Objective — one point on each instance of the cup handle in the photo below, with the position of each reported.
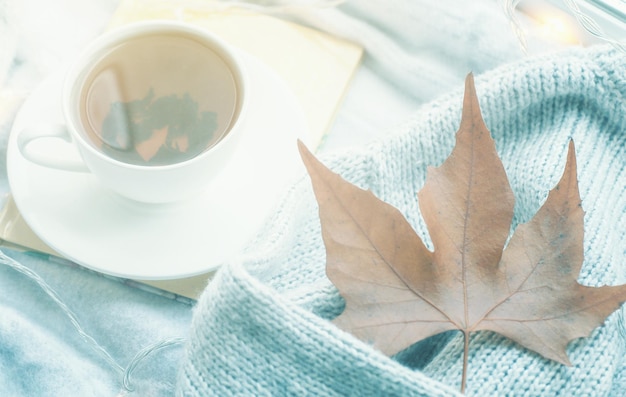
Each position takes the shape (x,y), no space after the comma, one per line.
(59,131)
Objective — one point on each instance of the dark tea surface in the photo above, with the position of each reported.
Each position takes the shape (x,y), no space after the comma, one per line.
(158,100)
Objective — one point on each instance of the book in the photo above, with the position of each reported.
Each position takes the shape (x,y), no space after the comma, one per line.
(315,65)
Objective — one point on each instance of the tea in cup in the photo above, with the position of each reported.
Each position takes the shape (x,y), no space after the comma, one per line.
(154,108)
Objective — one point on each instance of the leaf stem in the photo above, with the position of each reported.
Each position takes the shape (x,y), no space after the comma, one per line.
(466,338)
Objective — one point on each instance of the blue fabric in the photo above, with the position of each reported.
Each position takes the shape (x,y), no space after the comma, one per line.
(262,326)
(41,354)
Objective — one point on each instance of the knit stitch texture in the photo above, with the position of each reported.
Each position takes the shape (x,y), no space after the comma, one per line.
(262,327)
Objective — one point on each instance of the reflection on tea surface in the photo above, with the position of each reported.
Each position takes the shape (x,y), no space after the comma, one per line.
(158,99)
(157,131)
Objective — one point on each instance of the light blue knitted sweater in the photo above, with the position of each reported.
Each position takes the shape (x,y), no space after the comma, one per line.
(262,327)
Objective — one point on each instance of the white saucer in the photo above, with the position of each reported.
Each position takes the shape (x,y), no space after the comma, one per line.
(101,230)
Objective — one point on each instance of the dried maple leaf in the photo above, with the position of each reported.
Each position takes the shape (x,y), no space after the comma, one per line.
(397,292)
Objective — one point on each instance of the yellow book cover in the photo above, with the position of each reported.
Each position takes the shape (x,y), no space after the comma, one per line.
(316,66)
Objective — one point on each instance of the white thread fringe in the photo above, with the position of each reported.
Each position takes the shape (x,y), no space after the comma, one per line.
(509,6)
(585,21)
(125,373)
(590,25)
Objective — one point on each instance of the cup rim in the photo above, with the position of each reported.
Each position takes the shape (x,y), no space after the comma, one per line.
(75,75)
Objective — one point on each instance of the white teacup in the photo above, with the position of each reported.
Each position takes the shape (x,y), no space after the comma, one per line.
(154,108)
